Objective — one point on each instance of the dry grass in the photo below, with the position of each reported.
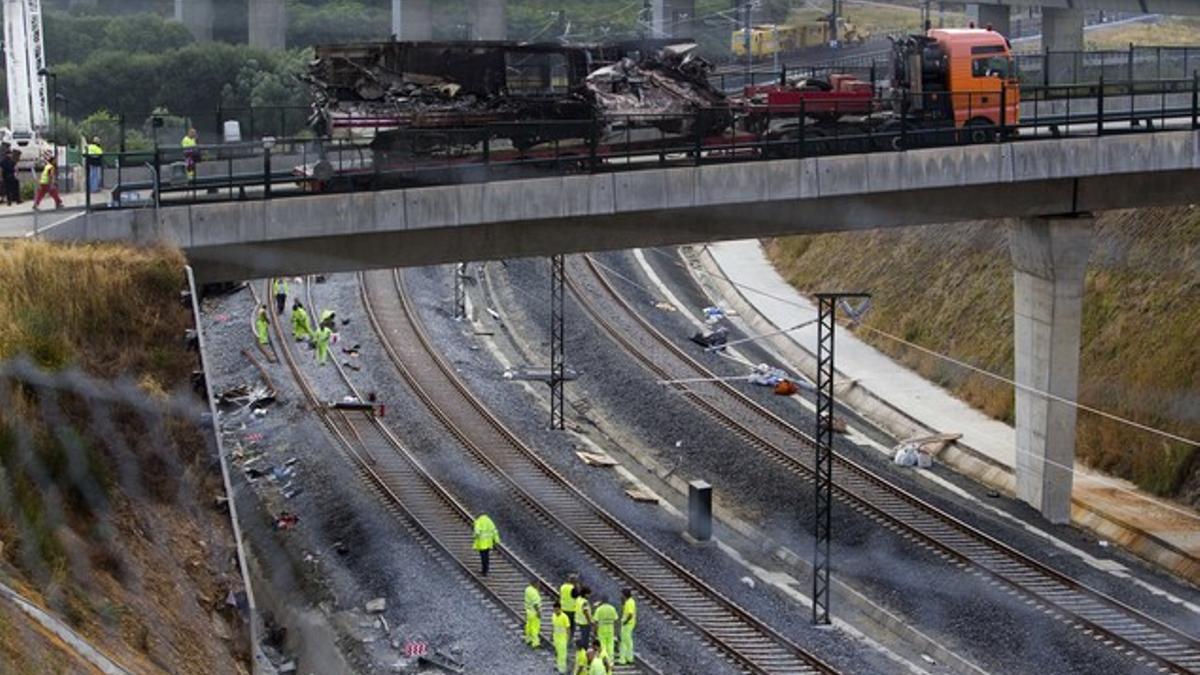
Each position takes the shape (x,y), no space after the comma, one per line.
(104,507)
(950,289)
(1173,32)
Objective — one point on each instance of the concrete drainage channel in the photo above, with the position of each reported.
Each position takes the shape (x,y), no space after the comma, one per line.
(254,621)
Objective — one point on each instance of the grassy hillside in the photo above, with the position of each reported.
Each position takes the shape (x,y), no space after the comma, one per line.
(949,288)
(106,478)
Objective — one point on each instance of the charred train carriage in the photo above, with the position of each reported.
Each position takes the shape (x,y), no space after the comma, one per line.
(407,108)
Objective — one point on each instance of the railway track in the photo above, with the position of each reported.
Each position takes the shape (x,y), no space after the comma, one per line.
(1107,620)
(679,596)
(435,519)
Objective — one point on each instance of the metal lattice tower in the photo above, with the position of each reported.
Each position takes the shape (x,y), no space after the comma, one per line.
(557,356)
(823,475)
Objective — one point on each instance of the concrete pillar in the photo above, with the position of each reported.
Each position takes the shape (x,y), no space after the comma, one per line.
(1062,31)
(1049,258)
(699,511)
(996,16)
(659,21)
(488,20)
(681,17)
(412,20)
(268,24)
(197,17)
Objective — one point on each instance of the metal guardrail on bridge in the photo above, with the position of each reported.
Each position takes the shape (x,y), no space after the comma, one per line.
(509,150)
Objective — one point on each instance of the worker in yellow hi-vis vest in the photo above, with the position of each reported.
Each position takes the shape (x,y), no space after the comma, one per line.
(562,631)
(605,616)
(568,600)
(260,326)
(533,616)
(628,623)
(486,538)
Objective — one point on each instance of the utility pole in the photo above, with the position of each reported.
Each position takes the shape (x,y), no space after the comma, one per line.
(747,7)
(827,304)
(835,10)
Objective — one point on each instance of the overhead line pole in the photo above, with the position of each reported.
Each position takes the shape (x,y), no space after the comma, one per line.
(557,356)
(823,474)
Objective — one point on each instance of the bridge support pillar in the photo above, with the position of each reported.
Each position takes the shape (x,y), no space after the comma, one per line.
(673,18)
(412,20)
(488,20)
(197,17)
(268,24)
(996,16)
(1062,31)
(1049,258)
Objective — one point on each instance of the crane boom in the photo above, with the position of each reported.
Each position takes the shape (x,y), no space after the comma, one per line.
(28,103)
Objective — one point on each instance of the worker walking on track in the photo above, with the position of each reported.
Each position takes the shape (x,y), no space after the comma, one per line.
(486,537)
(606,625)
(561,632)
(628,623)
(301,323)
(280,288)
(583,615)
(323,336)
(533,616)
(567,598)
(260,326)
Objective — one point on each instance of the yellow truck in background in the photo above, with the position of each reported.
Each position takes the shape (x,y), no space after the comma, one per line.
(767,40)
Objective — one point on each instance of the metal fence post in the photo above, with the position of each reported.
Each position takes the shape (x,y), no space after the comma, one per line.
(1130,68)
(801,136)
(1195,99)
(1100,107)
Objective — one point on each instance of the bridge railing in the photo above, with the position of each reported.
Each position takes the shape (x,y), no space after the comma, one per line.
(383,157)
(1133,64)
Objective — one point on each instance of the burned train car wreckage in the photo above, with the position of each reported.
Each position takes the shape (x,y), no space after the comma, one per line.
(414,99)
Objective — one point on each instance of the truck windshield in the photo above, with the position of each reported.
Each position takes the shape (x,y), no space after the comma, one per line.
(992,66)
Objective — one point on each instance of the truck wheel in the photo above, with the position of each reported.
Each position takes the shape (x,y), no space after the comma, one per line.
(979,131)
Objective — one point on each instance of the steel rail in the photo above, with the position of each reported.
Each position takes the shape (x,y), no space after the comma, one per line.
(1106,619)
(673,590)
(435,519)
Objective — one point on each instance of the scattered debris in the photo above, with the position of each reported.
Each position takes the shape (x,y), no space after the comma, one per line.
(1103,543)
(679,444)
(642,495)
(928,659)
(289,667)
(594,459)
(376,606)
(439,659)
(713,314)
(786,388)
(749,581)
(286,521)
(351,366)
(766,376)
(715,340)
(665,306)
(993,494)
(494,314)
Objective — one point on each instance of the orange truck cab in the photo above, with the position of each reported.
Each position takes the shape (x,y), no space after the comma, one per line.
(980,75)
(958,76)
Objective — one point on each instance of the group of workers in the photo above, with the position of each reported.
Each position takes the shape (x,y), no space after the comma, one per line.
(573,616)
(320,336)
(47,185)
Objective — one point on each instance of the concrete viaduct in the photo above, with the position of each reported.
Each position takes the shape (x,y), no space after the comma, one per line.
(1047,188)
